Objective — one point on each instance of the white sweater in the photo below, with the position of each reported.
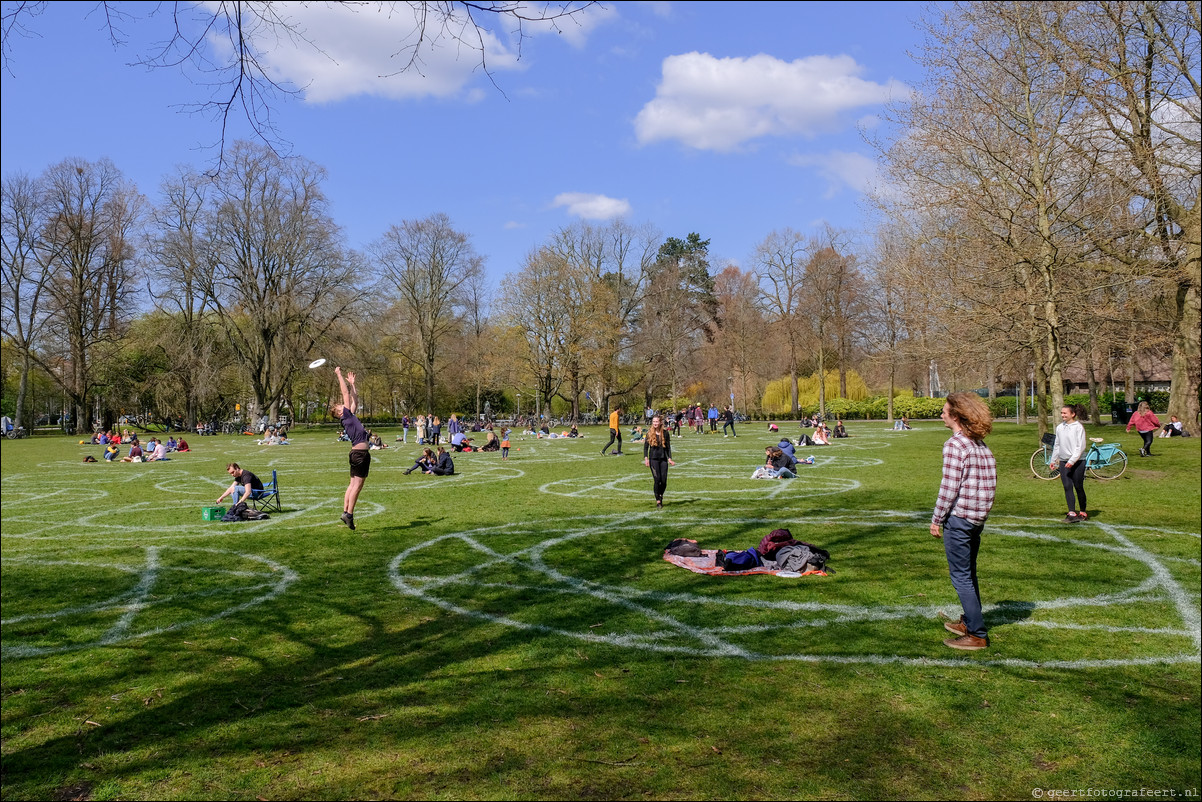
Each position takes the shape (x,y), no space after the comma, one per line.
(1070,443)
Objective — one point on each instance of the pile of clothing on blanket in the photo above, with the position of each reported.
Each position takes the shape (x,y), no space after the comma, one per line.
(778,551)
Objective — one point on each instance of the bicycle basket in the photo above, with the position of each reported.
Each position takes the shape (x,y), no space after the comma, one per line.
(1048,439)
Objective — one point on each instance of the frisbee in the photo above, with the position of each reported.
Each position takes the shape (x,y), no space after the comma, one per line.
(316,363)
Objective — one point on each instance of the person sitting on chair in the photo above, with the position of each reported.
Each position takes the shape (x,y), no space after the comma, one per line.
(244,486)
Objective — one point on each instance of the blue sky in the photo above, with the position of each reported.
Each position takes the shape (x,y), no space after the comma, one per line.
(728,119)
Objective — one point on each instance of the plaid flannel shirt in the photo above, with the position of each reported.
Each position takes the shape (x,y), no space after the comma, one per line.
(969,481)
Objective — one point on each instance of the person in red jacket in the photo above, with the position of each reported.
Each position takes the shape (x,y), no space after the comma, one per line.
(1147,424)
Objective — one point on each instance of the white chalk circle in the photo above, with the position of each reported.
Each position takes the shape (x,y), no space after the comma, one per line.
(705,483)
(107,595)
(516,575)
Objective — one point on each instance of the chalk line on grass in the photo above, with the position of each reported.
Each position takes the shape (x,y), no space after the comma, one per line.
(671,633)
(157,566)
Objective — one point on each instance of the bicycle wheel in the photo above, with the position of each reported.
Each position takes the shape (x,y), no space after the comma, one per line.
(1039,466)
(1110,470)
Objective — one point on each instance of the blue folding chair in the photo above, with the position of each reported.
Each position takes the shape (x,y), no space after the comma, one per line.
(269,497)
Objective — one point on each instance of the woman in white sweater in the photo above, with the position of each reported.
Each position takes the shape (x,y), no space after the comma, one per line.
(1069,453)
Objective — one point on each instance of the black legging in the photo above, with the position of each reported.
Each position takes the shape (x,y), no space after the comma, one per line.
(614,434)
(1074,479)
(1147,436)
(659,477)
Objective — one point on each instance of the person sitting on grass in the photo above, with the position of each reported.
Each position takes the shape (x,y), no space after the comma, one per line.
(821,436)
(135,452)
(777,465)
(423,463)
(182,445)
(839,430)
(786,445)
(112,452)
(444,466)
(160,451)
(1173,428)
(492,443)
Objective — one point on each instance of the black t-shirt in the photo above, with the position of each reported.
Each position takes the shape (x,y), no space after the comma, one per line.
(255,482)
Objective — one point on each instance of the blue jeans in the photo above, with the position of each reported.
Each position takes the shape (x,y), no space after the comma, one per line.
(961,542)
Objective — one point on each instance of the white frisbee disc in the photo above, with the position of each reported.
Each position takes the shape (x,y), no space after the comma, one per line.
(316,363)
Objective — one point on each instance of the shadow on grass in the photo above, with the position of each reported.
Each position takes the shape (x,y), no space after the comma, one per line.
(455,708)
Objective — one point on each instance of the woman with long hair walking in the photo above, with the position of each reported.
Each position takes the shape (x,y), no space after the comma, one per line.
(1147,424)
(657,455)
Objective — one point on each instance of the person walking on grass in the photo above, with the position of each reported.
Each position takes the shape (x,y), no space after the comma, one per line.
(1069,453)
(728,419)
(615,430)
(360,458)
(657,455)
(1147,424)
(966,495)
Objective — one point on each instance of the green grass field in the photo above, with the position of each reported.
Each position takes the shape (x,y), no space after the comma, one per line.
(512,632)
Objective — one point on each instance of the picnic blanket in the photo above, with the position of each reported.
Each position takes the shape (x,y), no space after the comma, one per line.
(705,565)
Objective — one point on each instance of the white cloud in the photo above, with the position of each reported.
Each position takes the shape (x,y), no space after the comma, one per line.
(576,29)
(720,103)
(592,207)
(343,50)
(842,169)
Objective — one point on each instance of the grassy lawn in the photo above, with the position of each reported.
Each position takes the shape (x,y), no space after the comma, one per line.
(512,632)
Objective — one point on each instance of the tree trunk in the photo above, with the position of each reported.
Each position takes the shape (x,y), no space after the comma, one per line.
(1129,384)
(1187,359)
(1095,412)
(22,389)
(892,378)
(1020,402)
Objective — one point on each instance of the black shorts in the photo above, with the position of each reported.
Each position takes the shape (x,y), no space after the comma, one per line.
(360,462)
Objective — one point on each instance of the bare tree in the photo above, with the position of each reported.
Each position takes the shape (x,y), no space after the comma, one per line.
(1137,66)
(276,271)
(92,219)
(24,273)
(429,267)
(780,267)
(537,302)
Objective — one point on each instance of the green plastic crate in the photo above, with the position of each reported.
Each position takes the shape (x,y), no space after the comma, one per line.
(212,513)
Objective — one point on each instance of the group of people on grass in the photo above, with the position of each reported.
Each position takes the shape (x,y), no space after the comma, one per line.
(965,498)
(155,450)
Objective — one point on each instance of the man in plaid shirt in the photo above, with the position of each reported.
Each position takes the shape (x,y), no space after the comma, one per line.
(965,498)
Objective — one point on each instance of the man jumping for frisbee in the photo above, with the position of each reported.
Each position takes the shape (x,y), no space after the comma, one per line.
(360,457)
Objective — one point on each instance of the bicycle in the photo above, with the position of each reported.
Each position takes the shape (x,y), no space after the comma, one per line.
(1103,461)
(16,433)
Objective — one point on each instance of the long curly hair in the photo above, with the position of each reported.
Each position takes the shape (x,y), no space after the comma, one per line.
(972,414)
(655,437)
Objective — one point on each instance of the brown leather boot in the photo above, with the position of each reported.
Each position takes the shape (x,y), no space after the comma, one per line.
(967,643)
